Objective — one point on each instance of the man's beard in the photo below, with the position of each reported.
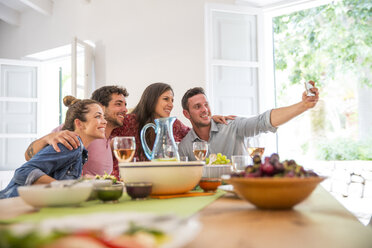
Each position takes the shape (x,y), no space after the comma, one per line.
(113,121)
(202,124)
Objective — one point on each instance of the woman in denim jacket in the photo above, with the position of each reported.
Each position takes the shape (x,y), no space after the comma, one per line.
(85,117)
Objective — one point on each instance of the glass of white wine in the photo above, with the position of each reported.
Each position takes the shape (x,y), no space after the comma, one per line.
(200,149)
(255,147)
(124,148)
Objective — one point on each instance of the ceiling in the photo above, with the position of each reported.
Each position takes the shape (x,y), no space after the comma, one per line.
(269,3)
(11,10)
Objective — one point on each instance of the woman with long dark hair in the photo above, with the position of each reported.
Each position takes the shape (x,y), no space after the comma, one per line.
(156,102)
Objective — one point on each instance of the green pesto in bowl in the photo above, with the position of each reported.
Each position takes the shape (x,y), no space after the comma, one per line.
(110,193)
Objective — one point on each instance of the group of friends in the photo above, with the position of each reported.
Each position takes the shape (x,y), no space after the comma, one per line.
(91,124)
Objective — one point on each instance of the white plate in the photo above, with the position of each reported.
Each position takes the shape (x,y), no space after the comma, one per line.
(227,188)
(180,230)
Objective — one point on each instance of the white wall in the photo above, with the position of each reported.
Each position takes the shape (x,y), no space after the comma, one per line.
(138,41)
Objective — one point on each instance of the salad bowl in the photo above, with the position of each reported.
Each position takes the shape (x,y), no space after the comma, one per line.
(167,178)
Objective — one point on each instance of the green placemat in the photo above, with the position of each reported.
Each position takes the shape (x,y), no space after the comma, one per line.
(183,207)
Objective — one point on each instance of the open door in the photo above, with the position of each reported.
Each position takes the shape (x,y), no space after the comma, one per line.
(82,80)
(237,66)
(233,58)
(19,111)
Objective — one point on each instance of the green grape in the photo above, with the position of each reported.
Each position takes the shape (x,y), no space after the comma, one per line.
(220,159)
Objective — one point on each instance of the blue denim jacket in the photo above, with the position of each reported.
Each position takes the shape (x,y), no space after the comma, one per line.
(66,164)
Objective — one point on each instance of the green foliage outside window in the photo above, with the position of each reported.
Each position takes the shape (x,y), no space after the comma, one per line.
(323,40)
(323,44)
(345,149)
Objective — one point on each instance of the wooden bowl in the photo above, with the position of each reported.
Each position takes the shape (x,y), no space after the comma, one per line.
(274,193)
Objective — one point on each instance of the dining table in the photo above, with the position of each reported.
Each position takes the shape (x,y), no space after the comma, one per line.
(229,222)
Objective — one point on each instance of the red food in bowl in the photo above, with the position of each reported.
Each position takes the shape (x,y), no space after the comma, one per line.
(209,184)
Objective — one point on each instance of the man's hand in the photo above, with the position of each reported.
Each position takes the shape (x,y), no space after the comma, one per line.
(310,101)
(222,119)
(281,115)
(68,138)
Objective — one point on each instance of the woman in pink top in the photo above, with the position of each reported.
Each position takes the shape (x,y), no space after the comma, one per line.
(156,102)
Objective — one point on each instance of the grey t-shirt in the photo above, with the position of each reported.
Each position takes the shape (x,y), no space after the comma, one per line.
(229,139)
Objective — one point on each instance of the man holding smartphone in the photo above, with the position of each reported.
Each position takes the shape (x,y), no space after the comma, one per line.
(229,139)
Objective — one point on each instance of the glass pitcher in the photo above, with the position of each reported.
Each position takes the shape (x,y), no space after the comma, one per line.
(165,148)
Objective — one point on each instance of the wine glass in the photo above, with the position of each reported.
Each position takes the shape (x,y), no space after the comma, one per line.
(124,148)
(255,147)
(200,149)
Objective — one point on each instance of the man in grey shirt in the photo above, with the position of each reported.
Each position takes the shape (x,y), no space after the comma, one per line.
(229,139)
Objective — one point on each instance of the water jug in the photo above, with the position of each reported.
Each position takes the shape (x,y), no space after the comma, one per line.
(165,148)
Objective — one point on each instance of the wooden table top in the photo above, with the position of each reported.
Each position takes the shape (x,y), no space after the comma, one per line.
(320,221)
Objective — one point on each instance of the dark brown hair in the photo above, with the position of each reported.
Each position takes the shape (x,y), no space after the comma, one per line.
(190,93)
(103,94)
(77,109)
(145,109)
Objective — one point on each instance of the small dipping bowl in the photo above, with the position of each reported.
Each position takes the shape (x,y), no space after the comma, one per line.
(210,184)
(138,190)
(97,183)
(110,193)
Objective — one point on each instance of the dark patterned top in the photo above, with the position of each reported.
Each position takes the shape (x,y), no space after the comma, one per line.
(130,128)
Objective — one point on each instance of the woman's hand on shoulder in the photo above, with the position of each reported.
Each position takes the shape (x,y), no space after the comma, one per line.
(222,119)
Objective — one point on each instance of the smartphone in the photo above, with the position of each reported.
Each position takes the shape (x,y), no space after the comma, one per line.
(309,86)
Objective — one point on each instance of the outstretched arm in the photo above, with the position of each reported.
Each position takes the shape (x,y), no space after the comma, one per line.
(280,116)
(67,138)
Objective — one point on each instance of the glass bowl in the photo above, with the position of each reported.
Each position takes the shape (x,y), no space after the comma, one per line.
(138,190)
(110,193)
(210,184)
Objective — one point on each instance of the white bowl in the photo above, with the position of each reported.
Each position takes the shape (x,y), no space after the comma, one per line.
(166,177)
(98,183)
(217,170)
(55,195)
